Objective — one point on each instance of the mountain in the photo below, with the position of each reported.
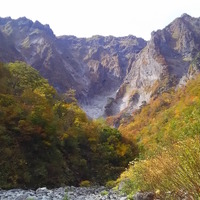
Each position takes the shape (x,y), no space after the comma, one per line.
(95,67)
(35,44)
(170,58)
(105,61)
(111,75)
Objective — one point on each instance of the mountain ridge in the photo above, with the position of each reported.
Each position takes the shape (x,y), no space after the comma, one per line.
(91,66)
(165,62)
(111,75)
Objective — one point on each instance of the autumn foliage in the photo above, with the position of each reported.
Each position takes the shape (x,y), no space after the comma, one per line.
(47,140)
(167,133)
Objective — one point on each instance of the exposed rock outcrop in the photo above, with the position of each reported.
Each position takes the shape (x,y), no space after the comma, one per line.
(110,75)
(95,67)
(105,62)
(170,58)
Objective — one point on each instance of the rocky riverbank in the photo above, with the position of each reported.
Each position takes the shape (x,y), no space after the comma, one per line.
(63,193)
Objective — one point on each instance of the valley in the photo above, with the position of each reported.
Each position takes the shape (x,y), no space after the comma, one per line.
(115,111)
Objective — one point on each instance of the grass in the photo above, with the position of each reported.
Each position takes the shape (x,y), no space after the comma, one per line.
(104,192)
(66,197)
(173,174)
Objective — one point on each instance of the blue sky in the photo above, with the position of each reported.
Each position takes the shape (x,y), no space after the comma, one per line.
(84,18)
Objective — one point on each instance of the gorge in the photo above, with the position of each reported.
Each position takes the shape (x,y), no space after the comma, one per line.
(149,90)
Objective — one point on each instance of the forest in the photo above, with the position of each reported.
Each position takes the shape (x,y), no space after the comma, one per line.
(46,138)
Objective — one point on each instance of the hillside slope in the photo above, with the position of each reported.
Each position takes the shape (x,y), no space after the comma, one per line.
(167,133)
(47,140)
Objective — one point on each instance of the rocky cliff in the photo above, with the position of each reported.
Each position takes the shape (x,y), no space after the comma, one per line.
(170,58)
(35,44)
(95,67)
(110,74)
(104,61)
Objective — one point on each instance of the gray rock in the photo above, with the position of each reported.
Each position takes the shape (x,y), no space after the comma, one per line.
(89,65)
(73,193)
(22,197)
(144,196)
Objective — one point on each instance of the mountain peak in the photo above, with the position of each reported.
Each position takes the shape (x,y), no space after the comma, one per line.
(45,27)
(184,15)
(23,19)
(3,21)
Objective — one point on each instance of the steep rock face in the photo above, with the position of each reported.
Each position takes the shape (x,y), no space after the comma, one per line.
(95,67)
(110,75)
(166,61)
(105,61)
(35,44)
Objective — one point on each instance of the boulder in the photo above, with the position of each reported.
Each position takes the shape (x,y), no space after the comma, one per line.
(144,196)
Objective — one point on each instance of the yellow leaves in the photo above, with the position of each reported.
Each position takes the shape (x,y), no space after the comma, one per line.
(85,183)
(194,99)
(22,162)
(177,113)
(127,174)
(121,149)
(145,140)
(64,136)
(175,169)
(47,143)
(39,92)
(170,117)
(157,191)
(92,139)
(77,122)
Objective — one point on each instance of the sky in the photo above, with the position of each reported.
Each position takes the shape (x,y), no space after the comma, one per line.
(85,18)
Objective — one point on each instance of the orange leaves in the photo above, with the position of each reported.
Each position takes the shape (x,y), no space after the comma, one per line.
(170,117)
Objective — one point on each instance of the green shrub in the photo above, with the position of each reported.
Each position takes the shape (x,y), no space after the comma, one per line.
(85,183)
(104,192)
(110,184)
(65,197)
